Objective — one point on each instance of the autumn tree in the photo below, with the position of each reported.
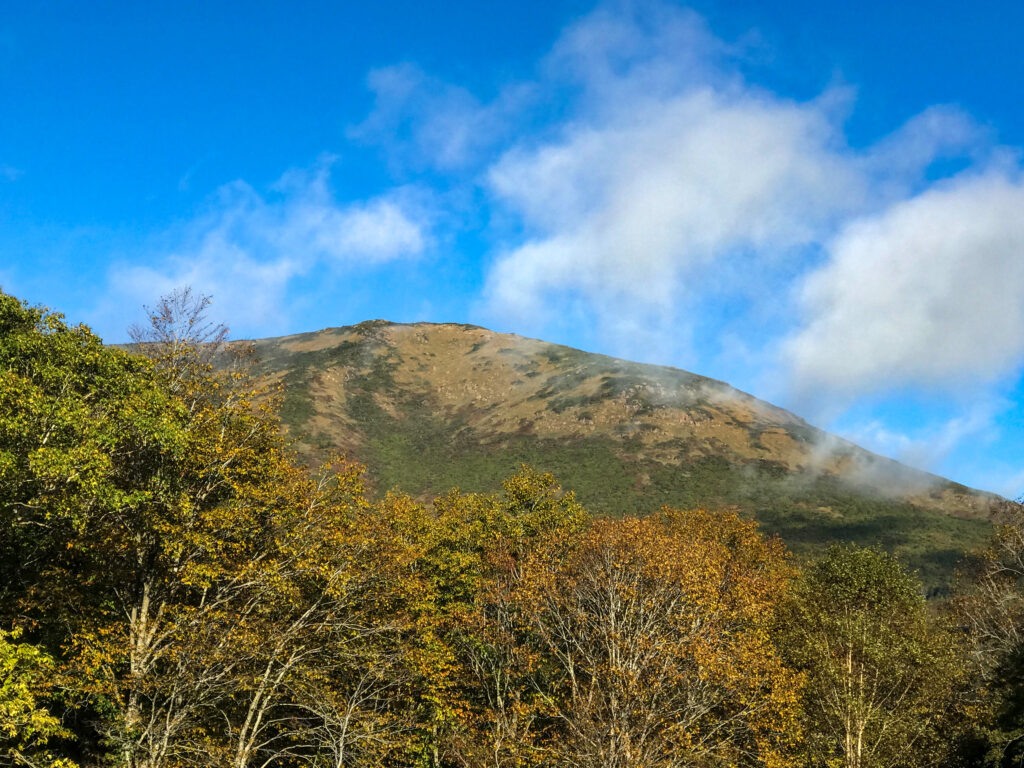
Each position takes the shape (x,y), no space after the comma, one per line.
(477,701)
(655,643)
(881,672)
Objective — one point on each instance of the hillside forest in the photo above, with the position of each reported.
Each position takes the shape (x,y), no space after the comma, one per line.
(178,588)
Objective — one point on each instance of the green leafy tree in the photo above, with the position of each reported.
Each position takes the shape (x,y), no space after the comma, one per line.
(26,724)
(126,527)
(990,605)
(881,673)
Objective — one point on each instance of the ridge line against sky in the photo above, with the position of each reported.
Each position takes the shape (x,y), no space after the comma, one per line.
(660,182)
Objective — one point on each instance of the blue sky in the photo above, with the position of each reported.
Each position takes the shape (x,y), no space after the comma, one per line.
(821,203)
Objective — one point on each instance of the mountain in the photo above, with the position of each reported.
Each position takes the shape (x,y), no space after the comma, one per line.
(431,406)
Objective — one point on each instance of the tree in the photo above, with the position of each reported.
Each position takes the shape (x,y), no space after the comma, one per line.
(655,644)
(134,511)
(990,605)
(180,336)
(26,725)
(881,673)
(330,682)
(477,704)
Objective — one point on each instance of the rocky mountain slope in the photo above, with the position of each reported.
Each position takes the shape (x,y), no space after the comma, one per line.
(431,406)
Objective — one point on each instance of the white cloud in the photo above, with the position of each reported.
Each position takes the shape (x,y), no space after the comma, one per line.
(662,170)
(10,173)
(625,212)
(939,132)
(618,55)
(247,248)
(662,167)
(929,291)
(670,170)
(246,292)
(310,222)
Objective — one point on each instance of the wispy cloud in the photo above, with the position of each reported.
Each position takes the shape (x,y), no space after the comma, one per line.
(424,122)
(931,444)
(248,246)
(1009,483)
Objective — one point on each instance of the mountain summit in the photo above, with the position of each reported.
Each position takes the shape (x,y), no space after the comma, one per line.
(430,406)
